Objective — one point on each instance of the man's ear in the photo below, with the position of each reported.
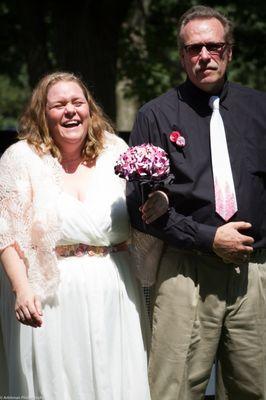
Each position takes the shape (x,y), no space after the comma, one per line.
(230,53)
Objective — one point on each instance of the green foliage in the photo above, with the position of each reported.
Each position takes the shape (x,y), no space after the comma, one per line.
(11,58)
(149,56)
(13,96)
(249,58)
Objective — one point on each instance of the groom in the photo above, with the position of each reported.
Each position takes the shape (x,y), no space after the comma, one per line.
(211,285)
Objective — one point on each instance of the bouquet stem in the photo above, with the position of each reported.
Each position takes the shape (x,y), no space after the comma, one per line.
(145,189)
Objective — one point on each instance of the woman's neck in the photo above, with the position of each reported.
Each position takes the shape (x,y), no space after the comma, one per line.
(71,160)
(71,156)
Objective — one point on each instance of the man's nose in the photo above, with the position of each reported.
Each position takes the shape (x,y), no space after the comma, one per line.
(204,54)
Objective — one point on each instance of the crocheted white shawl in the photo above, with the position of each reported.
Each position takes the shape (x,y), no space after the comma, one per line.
(29,188)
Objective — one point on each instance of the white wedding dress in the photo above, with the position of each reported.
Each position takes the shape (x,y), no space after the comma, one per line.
(92,344)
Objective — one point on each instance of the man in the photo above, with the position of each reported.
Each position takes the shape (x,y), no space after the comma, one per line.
(211,286)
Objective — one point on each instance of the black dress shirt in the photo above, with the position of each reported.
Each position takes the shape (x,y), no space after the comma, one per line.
(191,221)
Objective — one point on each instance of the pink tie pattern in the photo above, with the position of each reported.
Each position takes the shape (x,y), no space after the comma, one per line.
(224,189)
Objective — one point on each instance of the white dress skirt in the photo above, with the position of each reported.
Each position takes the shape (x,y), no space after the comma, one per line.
(93,341)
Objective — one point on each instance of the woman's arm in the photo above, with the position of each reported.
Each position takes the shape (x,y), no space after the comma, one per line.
(27,306)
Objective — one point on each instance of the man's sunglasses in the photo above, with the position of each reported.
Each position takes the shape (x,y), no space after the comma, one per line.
(212,48)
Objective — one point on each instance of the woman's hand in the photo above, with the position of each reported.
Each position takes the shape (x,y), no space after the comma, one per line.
(28,308)
(156,205)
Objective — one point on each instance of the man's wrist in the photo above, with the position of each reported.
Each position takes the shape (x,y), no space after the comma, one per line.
(205,237)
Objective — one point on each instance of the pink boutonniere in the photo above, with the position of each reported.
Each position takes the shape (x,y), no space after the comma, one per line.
(177,138)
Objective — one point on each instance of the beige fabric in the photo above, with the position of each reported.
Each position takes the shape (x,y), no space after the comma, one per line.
(200,303)
(146,251)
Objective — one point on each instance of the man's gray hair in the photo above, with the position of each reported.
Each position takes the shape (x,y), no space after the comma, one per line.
(204,12)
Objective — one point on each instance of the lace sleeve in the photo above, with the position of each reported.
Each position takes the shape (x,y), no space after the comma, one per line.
(28,221)
(146,251)
(15,196)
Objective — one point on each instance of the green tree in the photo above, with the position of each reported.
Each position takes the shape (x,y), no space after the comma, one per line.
(103,41)
(47,35)
(12,99)
(150,60)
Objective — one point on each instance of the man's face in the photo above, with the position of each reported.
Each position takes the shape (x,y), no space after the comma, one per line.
(206,69)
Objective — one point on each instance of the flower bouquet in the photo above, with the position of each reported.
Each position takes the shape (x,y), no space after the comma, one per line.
(148,165)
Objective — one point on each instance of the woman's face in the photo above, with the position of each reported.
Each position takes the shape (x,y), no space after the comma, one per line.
(67,114)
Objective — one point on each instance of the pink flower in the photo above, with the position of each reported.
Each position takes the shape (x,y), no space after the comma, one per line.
(174,136)
(177,138)
(144,162)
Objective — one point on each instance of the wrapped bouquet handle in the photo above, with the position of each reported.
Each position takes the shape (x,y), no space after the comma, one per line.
(149,166)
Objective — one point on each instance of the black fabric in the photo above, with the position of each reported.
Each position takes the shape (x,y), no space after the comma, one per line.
(191,221)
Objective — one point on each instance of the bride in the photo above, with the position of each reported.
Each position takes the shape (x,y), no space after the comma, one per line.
(72,320)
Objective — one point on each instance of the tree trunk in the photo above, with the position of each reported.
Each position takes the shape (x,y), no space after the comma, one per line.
(31,16)
(86,43)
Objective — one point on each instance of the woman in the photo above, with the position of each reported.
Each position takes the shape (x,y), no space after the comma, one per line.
(63,233)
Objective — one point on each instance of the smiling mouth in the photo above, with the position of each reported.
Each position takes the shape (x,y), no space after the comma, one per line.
(71,124)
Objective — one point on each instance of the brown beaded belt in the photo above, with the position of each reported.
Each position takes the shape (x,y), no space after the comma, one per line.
(80,249)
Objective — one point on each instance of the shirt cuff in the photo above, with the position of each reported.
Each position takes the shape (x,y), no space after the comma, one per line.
(205,237)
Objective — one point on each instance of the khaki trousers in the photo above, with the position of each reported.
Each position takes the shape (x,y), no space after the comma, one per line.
(205,308)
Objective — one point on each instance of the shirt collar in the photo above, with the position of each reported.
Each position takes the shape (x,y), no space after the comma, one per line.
(199,99)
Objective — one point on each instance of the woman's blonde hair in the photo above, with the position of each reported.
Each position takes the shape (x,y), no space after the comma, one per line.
(33,125)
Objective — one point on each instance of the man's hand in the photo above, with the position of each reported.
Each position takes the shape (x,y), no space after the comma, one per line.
(231,245)
(156,205)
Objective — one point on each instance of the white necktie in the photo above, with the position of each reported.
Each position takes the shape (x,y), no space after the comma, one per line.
(225,197)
